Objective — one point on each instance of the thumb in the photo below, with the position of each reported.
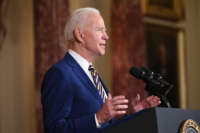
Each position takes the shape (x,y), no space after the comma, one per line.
(109,96)
(138,97)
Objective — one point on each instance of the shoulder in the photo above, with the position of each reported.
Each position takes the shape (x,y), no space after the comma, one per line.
(58,77)
(62,72)
(61,69)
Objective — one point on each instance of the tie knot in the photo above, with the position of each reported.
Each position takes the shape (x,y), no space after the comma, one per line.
(91,68)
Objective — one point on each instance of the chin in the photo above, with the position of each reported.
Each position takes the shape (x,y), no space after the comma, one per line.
(102,53)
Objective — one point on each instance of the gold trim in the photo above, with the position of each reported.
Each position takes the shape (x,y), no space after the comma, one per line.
(189,123)
(182,81)
(174,13)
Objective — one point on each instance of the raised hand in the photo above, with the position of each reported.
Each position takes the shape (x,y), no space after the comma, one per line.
(117,105)
(149,102)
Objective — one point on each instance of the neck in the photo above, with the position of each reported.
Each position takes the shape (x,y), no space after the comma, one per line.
(82,51)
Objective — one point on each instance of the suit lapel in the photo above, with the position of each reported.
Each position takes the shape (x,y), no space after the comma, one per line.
(82,76)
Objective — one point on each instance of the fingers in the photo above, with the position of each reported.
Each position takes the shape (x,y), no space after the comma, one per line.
(119,103)
(109,96)
(112,107)
(149,102)
(137,104)
(153,98)
(119,100)
(118,97)
(153,101)
(120,107)
(120,112)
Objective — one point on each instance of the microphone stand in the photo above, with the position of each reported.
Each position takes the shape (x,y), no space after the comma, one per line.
(162,94)
(166,101)
(164,97)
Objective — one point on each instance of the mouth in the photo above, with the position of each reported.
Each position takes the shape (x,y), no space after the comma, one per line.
(102,45)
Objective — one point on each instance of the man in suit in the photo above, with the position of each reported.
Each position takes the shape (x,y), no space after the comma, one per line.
(74,98)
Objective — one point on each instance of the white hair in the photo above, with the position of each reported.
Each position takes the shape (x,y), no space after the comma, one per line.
(78,18)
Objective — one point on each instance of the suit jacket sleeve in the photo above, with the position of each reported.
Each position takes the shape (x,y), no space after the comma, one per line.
(57,99)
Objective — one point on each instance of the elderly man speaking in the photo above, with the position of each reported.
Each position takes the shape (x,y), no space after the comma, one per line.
(74,98)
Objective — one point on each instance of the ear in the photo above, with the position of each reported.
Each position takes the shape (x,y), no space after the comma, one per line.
(78,35)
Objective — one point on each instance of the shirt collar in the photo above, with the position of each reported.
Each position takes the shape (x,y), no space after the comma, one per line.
(80,60)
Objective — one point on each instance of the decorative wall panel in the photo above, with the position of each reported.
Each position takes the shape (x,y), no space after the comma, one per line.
(50,19)
(127,47)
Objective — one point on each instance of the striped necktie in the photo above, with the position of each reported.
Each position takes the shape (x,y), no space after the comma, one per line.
(98,83)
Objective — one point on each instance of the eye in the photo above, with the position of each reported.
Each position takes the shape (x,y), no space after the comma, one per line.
(101,29)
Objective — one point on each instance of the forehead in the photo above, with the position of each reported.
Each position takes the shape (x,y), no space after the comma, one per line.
(94,19)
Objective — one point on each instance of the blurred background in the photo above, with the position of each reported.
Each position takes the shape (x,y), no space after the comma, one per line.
(161,35)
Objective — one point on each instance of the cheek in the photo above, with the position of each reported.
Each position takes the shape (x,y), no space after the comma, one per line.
(92,38)
(95,37)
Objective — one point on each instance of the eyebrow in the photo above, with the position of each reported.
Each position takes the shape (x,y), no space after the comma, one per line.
(101,28)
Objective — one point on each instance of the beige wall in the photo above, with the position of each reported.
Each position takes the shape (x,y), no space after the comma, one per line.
(193,53)
(17,70)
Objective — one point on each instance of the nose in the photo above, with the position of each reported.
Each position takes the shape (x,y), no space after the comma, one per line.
(105,36)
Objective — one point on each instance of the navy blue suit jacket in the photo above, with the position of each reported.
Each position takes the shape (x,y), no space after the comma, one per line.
(69,99)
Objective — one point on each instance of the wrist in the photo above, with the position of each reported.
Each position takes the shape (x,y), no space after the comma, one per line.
(99,119)
(138,108)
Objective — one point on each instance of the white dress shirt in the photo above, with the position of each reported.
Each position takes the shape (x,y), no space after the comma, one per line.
(84,64)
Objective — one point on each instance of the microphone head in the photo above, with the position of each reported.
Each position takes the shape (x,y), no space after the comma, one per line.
(135,72)
(156,84)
